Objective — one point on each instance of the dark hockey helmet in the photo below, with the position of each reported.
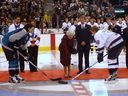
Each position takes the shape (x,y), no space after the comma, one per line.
(116,29)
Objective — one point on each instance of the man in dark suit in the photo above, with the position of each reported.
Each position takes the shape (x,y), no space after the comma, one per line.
(125,36)
(83,36)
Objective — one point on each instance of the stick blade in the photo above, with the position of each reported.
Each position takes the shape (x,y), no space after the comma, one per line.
(62,82)
(56,79)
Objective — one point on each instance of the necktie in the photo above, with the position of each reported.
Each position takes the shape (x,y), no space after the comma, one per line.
(32,34)
(17,26)
(82,26)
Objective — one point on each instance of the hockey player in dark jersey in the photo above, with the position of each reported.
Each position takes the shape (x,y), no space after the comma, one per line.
(11,42)
(113,42)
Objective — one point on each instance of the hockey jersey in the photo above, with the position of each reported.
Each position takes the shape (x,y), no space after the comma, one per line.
(106,39)
(65,26)
(17,38)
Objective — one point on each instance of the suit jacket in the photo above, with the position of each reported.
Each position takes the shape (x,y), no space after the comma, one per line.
(125,35)
(83,34)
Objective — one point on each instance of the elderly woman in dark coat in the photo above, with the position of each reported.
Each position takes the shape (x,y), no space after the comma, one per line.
(65,48)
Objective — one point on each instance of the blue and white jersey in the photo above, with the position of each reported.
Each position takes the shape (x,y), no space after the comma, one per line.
(106,39)
(17,38)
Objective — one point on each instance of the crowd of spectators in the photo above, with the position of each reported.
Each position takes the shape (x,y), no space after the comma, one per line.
(27,9)
(95,9)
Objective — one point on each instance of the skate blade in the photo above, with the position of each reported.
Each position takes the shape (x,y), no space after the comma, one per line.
(111,82)
(13,82)
(62,82)
(13,85)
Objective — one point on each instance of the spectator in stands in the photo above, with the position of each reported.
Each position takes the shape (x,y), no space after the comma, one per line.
(16,24)
(66,25)
(54,20)
(92,22)
(126,19)
(3,28)
(37,19)
(121,23)
(116,28)
(57,1)
(46,19)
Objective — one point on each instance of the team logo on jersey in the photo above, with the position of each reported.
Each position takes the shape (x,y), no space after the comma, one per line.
(97,42)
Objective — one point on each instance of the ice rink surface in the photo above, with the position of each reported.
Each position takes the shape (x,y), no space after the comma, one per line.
(50,60)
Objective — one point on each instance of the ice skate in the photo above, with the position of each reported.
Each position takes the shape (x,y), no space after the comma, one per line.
(13,79)
(112,77)
(19,78)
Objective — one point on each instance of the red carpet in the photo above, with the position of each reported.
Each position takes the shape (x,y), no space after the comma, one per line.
(38,76)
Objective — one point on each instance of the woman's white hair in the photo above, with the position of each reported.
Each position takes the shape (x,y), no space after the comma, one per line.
(70,33)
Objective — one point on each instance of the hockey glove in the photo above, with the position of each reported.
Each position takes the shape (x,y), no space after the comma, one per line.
(15,48)
(23,47)
(73,51)
(26,58)
(100,57)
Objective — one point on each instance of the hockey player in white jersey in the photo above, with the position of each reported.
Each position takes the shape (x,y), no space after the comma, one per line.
(113,42)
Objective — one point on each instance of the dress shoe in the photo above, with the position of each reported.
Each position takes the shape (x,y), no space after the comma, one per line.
(79,72)
(69,76)
(65,76)
(33,71)
(87,72)
(22,71)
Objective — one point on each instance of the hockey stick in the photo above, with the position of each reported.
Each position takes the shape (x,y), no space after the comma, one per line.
(86,69)
(60,81)
(3,61)
(83,70)
(43,73)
